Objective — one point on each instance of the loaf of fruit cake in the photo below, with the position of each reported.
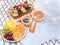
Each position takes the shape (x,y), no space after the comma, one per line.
(20,10)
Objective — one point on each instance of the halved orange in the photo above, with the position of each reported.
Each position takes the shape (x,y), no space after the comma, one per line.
(19,28)
(17,36)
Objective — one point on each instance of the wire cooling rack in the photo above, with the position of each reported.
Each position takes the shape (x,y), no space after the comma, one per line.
(4,5)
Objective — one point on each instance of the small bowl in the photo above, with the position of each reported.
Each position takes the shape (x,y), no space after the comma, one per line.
(27,18)
(36,13)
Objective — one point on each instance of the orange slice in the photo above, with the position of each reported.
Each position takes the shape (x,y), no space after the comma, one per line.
(17,36)
(19,28)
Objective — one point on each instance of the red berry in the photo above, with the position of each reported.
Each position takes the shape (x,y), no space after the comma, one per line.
(9,36)
(17,9)
(24,5)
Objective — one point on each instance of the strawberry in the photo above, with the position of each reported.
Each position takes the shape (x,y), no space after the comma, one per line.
(24,5)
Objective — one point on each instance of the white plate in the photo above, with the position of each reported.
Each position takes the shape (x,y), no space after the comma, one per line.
(14,41)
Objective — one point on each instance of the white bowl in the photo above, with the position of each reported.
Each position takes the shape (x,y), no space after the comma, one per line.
(27,24)
(14,41)
(36,19)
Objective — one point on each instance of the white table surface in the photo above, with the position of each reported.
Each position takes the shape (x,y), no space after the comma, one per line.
(46,29)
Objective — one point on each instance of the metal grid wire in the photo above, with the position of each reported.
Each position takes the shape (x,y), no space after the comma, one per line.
(52,42)
(5,4)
